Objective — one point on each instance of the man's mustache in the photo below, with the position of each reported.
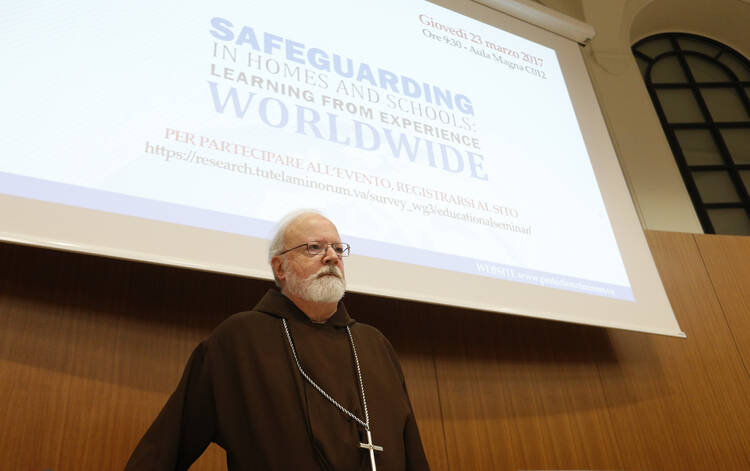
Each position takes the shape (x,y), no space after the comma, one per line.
(329,270)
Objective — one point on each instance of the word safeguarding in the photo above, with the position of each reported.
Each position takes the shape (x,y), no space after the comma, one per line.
(294,51)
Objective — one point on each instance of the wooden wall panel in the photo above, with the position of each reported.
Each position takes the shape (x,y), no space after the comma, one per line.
(32,410)
(90,348)
(523,393)
(679,404)
(33,389)
(727,261)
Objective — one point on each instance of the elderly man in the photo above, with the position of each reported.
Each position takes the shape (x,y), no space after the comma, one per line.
(294,384)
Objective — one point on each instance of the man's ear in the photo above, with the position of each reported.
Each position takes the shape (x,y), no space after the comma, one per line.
(278,267)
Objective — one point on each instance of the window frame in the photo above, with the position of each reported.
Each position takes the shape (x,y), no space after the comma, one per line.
(742,89)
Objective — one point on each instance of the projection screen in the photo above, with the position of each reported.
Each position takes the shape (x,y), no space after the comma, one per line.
(461,152)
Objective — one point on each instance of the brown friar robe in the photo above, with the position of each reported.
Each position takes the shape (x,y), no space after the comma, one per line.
(241,389)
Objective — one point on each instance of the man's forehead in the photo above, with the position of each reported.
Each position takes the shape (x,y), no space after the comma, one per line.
(312,227)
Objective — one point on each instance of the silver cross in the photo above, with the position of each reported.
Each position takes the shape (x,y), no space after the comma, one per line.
(372,448)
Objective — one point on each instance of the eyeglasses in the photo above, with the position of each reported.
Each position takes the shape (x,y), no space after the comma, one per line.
(317,248)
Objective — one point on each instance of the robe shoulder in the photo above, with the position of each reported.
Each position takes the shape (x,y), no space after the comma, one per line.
(244,319)
(372,332)
(241,326)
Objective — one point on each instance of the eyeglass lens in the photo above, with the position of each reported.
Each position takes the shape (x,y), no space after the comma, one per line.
(316,248)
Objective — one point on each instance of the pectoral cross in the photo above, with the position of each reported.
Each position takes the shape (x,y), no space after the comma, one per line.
(371,447)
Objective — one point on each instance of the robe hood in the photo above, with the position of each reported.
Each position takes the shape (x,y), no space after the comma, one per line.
(274,303)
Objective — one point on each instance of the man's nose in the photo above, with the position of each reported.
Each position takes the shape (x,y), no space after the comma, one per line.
(330,257)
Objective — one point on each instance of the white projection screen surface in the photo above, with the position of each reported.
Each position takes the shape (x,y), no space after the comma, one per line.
(461,152)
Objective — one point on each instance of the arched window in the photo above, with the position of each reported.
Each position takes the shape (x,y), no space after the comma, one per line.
(701,89)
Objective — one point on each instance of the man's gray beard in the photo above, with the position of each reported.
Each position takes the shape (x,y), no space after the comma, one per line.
(316,288)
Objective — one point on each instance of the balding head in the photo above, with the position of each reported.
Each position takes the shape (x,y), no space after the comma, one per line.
(292,221)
